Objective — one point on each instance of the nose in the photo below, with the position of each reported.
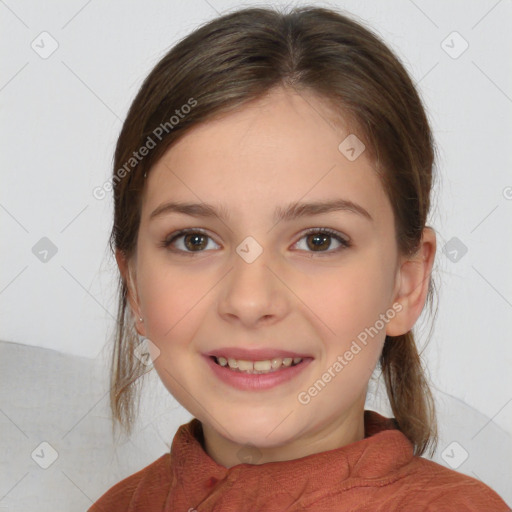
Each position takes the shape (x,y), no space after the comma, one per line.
(252,293)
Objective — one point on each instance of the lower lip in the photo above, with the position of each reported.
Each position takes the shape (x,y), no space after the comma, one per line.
(256,381)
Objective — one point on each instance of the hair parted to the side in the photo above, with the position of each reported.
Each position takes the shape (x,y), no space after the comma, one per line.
(237,58)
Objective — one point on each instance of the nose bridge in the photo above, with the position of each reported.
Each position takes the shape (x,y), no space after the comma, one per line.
(252,291)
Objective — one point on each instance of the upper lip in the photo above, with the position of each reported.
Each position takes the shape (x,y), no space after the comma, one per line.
(260,354)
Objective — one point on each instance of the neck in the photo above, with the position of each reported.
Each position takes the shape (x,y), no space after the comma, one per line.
(347,428)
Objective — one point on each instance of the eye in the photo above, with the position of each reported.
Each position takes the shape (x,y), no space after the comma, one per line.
(193,238)
(319,238)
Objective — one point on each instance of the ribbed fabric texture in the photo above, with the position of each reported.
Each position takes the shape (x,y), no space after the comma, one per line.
(378,473)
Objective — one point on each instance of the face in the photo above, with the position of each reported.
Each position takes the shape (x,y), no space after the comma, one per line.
(243,279)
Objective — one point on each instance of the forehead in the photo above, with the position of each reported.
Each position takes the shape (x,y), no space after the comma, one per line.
(278,149)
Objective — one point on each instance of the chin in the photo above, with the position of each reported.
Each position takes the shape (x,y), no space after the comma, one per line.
(266,432)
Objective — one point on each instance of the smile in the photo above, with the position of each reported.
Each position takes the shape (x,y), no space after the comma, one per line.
(257,367)
(256,375)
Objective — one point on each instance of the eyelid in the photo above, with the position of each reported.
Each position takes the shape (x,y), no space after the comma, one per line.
(340,237)
(344,240)
(330,231)
(182,232)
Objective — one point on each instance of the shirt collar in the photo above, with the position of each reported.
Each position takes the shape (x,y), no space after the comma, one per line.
(383,450)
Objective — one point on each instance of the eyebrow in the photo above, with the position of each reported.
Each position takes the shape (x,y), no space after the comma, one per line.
(292,211)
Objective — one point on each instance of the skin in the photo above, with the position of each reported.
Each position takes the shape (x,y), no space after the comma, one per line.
(293,296)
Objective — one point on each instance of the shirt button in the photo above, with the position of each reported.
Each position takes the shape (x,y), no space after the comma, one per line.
(211,482)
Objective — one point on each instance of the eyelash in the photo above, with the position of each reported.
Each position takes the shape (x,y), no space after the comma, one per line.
(345,244)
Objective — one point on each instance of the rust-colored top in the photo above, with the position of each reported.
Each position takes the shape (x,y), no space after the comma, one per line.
(377,473)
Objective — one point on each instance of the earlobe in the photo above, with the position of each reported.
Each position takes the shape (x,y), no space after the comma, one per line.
(413,283)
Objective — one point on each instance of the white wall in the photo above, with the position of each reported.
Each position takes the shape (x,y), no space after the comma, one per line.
(61,116)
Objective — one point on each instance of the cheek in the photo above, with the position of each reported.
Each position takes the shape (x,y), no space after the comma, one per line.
(349,304)
(351,297)
(173,312)
(172,302)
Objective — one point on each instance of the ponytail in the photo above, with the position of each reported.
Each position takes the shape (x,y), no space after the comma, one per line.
(408,392)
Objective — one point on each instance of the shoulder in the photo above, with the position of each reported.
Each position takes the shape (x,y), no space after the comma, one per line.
(153,477)
(441,489)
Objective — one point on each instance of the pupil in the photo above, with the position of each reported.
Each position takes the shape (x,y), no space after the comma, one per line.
(194,237)
(321,239)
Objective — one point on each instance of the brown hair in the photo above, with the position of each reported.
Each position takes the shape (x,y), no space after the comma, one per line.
(237,58)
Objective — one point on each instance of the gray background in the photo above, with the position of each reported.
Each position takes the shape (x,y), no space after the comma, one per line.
(61,115)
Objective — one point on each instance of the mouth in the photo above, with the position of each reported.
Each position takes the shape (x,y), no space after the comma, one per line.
(259,367)
(257,375)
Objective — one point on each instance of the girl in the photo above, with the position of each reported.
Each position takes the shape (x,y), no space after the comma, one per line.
(271,187)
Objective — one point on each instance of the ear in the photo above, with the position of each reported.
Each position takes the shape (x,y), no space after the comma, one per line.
(412,283)
(127,274)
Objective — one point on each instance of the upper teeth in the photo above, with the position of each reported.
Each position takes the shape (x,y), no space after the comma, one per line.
(258,366)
